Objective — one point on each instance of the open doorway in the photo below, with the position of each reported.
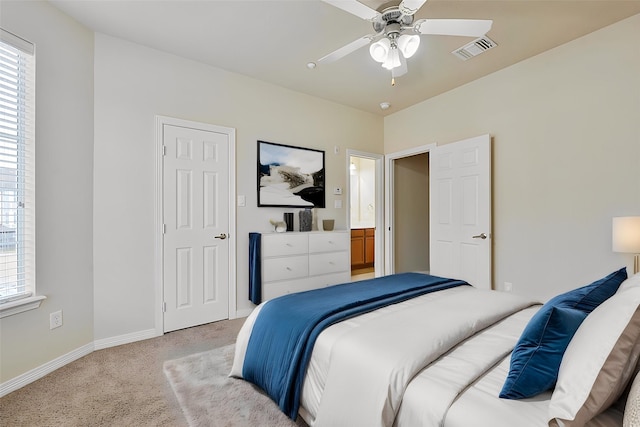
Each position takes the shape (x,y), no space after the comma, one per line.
(365,214)
(407,214)
(411,213)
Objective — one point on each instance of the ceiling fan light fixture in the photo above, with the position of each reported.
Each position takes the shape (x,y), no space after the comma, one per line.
(393,59)
(400,70)
(379,50)
(408,44)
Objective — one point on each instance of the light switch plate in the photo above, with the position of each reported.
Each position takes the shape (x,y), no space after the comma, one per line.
(337,203)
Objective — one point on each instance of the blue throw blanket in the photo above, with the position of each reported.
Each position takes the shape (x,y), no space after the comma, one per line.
(286,328)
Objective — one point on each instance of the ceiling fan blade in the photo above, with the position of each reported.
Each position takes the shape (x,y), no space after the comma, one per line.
(409,7)
(347,49)
(454,27)
(354,7)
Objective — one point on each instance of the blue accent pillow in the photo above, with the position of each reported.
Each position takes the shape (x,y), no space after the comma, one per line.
(536,358)
(587,298)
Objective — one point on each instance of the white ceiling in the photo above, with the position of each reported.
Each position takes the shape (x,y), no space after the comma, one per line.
(274,40)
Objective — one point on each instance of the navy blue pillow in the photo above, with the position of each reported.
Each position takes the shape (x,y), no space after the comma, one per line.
(587,298)
(536,358)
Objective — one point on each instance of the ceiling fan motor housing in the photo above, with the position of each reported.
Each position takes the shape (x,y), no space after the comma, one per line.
(391,16)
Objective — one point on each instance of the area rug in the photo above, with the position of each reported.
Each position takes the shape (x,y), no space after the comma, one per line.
(208,396)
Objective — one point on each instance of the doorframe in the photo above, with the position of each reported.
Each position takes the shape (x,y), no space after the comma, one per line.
(378,264)
(161,121)
(389,197)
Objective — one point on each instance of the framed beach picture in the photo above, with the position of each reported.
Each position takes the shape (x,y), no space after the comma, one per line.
(290,176)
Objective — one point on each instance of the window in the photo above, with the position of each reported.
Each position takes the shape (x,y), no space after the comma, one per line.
(17,172)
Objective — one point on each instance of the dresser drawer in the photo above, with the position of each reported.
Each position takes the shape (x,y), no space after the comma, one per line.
(325,280)
(275,289)
(284,244)
(329,242)
(285,268)
(333,262)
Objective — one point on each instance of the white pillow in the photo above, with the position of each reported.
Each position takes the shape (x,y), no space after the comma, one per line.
(633,281)
(599,360)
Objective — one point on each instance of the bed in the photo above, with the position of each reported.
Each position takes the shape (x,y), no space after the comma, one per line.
(442,354)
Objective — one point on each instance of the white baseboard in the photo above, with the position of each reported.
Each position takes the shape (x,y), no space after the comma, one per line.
(125,339)
(39,372)
(243,313)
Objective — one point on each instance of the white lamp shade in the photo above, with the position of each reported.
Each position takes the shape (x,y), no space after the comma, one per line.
(408,45)
(626,234)
(401,70)
(380,49)
(393,60)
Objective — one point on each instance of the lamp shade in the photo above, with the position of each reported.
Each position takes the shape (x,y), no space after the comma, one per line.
(408,44)
(400,70)
(380,49)
(393,59)
(626,234)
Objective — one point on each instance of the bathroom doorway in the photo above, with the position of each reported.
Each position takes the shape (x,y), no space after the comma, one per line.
(365,214)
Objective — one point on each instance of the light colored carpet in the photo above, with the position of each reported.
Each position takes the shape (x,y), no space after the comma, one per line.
(121,386)
(208,396)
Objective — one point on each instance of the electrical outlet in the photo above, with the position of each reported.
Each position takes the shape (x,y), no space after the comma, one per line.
(508,286)
(55,319)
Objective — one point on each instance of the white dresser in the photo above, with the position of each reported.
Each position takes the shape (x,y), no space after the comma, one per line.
(300,261)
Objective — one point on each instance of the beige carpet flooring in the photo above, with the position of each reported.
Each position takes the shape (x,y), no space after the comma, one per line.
(209,397)
(118,386)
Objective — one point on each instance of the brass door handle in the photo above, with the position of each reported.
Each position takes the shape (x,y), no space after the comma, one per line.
(221,236)
(480,236)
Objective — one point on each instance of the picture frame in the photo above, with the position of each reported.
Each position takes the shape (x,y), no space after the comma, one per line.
(290,176)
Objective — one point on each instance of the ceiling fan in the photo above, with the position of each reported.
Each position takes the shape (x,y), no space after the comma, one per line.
(397,35)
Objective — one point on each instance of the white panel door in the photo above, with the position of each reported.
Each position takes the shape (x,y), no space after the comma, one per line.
(195,211)
(460,189)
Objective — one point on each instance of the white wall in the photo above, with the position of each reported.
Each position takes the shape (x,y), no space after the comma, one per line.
(132,85)
(64,181)
(566,155)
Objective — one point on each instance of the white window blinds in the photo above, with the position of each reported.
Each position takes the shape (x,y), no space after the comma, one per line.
(17,167)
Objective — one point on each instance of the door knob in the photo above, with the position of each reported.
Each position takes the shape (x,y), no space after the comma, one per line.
(480,236)
(221,237)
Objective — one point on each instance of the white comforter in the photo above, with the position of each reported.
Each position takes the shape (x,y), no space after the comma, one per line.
(361,368)
(377,360)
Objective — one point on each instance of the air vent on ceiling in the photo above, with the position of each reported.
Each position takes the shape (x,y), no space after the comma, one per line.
(474,48)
